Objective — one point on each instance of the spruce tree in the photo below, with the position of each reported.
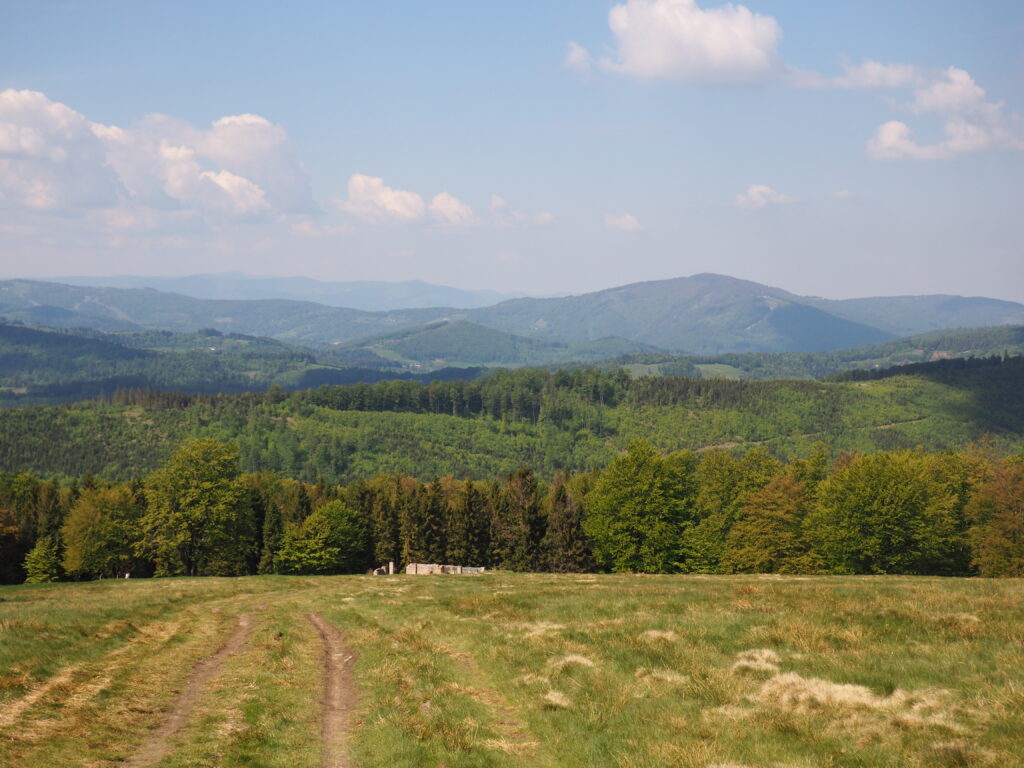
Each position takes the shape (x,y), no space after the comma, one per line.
(566,548)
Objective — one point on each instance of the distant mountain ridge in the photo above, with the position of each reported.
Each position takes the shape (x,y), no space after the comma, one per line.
(367,295)
(704,314)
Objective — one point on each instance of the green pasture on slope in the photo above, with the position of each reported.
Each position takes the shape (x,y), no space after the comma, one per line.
(523,670)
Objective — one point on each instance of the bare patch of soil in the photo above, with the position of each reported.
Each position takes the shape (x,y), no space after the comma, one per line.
(339,694)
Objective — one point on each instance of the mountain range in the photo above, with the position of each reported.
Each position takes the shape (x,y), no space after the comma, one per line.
(704,314)
(368,295)
(46,365)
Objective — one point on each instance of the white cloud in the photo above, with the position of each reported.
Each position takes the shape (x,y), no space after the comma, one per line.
(240,196)
(627,222)
(842,194)
(451,212)
(165,162)
(53,159)
(760,195)
(874,74)
(971,124)
(309,228)
(895,140)
(953,91)
(676,39)
(372,201)
(50,158)
(252,147)
(578,59)
(505,216)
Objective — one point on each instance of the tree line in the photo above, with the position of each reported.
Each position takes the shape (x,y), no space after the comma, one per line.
(895,512)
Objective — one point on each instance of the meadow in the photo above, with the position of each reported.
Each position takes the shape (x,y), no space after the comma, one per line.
(514,670)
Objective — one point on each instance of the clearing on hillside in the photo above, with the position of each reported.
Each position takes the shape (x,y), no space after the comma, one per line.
(514,670)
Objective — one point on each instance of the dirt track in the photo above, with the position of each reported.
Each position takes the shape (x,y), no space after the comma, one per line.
(159,743)
(339,695)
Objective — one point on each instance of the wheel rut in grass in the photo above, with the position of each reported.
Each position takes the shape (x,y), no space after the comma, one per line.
(12,711)
(339,695)
(159,743)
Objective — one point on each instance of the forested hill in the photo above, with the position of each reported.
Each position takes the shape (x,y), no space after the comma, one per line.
(888,356)
(703,314)
(492,426)
(46,365)
(447,342)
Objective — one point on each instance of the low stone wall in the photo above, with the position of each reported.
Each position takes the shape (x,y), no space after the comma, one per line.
(429,568)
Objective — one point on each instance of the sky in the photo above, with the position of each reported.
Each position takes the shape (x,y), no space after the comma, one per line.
(837,149)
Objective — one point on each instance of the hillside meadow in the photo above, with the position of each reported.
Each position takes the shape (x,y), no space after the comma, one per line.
(514,670)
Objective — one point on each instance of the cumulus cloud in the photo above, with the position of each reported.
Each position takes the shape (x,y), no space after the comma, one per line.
(759,196)
(578,59)
(374,202)
(51,160)
(256,149)
(449,211)
(972,123)
(679,40)
(505,216)
(627,222)
(874,74)
(953,91)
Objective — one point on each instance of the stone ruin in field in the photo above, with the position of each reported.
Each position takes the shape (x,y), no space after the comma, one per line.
(429,568)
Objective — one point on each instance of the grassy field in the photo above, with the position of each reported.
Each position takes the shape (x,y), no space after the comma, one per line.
(514,670)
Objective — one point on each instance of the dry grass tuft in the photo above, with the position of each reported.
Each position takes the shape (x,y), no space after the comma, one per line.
(662,675)
(510,747)
(654,635)
(567,661)
(792,693)
(756,661)
(531,679)
(537,629)
(957,754)
(556,700)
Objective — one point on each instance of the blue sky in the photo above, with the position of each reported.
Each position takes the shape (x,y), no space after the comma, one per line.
(836,149)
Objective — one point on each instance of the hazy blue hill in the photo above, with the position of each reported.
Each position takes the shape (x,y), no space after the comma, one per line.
(302,322)
(369,295)
(904,315)
(700,314)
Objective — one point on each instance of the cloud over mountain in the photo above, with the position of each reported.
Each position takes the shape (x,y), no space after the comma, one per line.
(52,159)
